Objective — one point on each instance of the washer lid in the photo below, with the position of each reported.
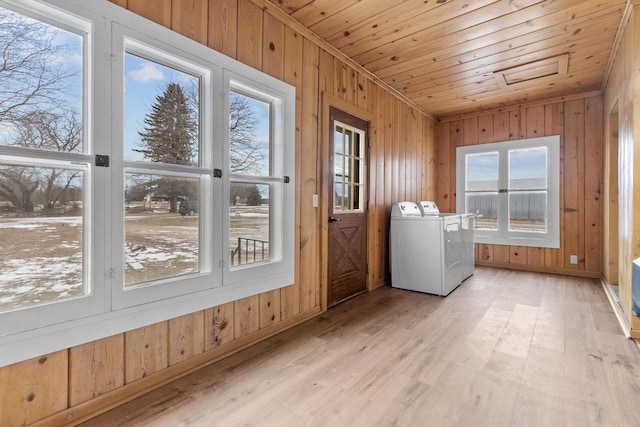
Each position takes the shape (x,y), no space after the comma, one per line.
(429,208)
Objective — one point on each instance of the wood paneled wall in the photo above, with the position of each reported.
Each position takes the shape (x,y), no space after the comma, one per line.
(70,385)
(622,103)
(579,124)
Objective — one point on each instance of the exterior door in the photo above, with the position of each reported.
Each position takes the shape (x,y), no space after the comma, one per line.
(347,230)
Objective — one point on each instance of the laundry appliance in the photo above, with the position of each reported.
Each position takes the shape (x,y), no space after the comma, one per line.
(431,252)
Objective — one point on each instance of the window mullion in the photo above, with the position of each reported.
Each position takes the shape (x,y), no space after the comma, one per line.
(503,192)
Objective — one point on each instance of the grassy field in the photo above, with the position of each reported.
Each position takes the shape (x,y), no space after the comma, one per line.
(41,258)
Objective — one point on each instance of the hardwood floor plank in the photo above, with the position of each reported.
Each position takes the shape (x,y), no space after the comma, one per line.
(506,348)
(518,333)
(534,409)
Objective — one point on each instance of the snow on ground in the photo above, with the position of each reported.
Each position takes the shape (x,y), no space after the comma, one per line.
(26,282)
(38,273)
(36,222)
(34,277)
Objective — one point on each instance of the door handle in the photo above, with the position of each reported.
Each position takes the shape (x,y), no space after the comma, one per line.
(334,219)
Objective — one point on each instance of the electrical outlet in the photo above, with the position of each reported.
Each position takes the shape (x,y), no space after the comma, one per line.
(573,259)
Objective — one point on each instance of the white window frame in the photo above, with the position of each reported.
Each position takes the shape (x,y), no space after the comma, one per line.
(502,236)
(163,48)
(279,268)
(110,309)
(91,302)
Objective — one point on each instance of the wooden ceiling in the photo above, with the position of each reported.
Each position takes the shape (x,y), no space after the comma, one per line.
(459,56)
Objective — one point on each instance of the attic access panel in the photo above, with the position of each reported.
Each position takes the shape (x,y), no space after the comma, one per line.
(552,66)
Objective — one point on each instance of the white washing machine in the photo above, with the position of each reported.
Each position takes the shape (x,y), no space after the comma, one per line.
(425,250)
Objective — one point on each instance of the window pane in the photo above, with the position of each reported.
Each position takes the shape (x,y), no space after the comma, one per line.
(161,235)
(357,145)
(41,230)
(357,197)
(338,144)
(40,85)
(347,141)
(249,217)
(346,197)
(482,171)
(485,206)
(337,195)
(528,211)
(339,167)
(249,135)
(347,169)
(528,168)
(356,171)
(162,113)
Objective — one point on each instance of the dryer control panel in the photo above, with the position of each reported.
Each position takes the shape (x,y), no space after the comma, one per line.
(429,208)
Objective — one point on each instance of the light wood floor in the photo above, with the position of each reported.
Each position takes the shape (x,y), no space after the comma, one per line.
(505,349)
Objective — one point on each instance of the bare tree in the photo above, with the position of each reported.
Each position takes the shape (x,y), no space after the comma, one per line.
(245,155)
(17,185)
(45,131)
(54,131)
(28,79)
(35,108)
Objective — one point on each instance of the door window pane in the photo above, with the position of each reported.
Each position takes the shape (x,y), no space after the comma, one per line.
(528,211)
(528,168)
(249,219)
(346,198)
(41,85)
(249,135)
(162,113)
(161,227)
(41,230)
(348,164)
(357,195)
(339,167)
(338,144)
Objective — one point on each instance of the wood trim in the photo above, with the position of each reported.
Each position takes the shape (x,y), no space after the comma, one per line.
(377,284)
(617,310)
(85,411)
(281,15)
(537,269)
(553,100)
(617,41)
(329,101)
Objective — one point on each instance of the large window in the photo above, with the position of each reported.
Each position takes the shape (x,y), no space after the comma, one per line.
(258,185)
(46,174)
(143,176)
(513,189)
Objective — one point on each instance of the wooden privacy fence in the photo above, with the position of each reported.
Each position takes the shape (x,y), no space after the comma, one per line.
(525,206)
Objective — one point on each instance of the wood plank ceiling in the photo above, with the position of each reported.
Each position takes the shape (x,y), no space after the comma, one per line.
(459,56)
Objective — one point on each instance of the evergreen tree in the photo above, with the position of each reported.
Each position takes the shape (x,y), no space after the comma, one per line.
(171,130)
(171,136)
(254,198)
(245,194)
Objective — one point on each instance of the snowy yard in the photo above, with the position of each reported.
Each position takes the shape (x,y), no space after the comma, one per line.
(41,259)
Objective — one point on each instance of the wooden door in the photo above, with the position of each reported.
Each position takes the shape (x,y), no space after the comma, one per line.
(347,230)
